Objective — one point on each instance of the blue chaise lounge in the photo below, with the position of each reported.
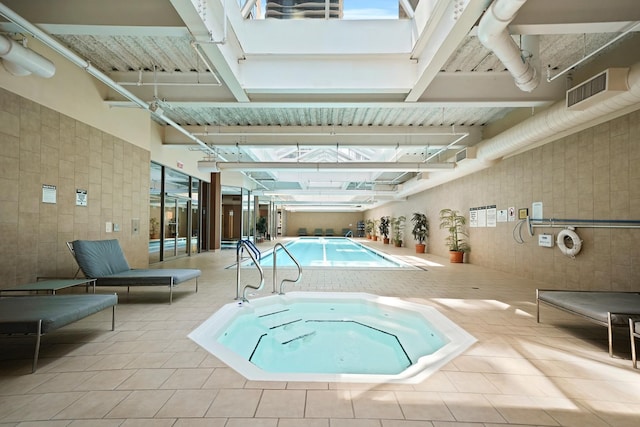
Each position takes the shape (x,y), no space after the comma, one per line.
(104,261)
(38,315)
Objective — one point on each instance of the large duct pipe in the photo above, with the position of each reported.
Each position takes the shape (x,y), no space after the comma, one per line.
(555,120)
(20,61)
(494,35)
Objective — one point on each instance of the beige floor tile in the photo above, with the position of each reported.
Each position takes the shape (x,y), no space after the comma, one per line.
(184,360)
(225,378)
(200,422)
(137,422)
(521,410)
(96,423)
(188,403)
(376,404)
(187,378)
(64,381)
(405,423)
(146,379)
(471,382)
(149,360)
(237,403)
(141,404)
(303,422)
(471,407)
(329,404)
(94,404)
(252,422)
(423,405)
(43,406)
(281,404)
(106,380)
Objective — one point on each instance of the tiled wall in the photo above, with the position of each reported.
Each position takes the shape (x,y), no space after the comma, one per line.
(40,146)
(594,174)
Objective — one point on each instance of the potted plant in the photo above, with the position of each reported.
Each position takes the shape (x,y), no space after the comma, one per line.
(384,229)
(154,228)
(261,228)
(420,231)
(374,231)
(368,228)
(454,223)
(397,228)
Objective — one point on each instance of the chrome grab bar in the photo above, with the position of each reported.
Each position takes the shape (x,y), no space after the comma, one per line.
(275,274)
(253,252)
(348,234)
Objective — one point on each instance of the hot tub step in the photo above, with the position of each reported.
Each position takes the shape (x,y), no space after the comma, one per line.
(288,335)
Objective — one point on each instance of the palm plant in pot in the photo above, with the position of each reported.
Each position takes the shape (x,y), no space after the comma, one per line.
(368,228)
(383,227)
(454,223)
(374,230)
(397,228)
(420,231)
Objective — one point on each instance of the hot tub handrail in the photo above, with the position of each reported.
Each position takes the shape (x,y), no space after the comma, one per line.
(255,256)
(275,274)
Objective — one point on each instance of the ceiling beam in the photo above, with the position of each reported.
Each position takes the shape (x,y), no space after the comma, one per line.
(333,166)
(440,39)
(216,39)
(378,136)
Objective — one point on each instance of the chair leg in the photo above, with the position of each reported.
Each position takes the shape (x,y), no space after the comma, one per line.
(633,343)
(34,366)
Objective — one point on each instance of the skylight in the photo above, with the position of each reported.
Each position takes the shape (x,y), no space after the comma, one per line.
(351,9)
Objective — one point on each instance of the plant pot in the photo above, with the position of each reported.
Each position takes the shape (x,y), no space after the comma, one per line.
(375,238)
(385,240)
(456,256)
(420,248)
(397,244)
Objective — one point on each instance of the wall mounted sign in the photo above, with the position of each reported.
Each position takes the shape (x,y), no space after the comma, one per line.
(49,193)
(81,197)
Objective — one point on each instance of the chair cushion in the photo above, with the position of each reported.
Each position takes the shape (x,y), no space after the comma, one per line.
(21,314)
(100,258)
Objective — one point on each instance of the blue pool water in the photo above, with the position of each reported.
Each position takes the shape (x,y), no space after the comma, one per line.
(330,252)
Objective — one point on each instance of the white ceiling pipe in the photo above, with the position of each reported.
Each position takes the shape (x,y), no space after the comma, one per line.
(21,61)
(77,60)
(494,35)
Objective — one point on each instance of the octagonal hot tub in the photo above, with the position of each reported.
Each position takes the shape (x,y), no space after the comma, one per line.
(332,337)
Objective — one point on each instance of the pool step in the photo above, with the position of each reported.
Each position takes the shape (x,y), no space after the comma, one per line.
(279,321)
(286,336)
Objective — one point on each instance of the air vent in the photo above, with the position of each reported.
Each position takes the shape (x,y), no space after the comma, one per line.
(610,82)
(466,153)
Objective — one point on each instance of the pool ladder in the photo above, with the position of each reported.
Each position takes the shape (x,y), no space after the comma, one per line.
(275,272)
(254,254)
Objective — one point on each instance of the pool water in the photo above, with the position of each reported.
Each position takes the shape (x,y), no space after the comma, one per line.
(330,252)
(315,336)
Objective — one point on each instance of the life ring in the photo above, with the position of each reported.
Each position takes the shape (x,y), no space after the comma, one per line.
(576,242)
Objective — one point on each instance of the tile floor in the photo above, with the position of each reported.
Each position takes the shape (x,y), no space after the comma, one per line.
(148,373)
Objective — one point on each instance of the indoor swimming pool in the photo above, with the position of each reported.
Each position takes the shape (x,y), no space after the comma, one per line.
(331,252)
(336,337)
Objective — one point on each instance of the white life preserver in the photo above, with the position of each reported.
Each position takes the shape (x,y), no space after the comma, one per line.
(576,242)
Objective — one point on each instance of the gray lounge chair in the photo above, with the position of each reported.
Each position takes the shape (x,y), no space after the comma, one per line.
(104,261)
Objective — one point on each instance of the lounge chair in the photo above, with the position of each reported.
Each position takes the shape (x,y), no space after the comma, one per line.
(609,309)
(104,261)
(38,315)
(302,231)
(317,232)
(329,232)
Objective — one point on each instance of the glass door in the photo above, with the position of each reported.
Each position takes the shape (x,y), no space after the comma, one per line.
(176,227)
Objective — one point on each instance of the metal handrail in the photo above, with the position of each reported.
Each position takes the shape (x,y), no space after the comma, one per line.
(253,251)
(348,234)
(275,273)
